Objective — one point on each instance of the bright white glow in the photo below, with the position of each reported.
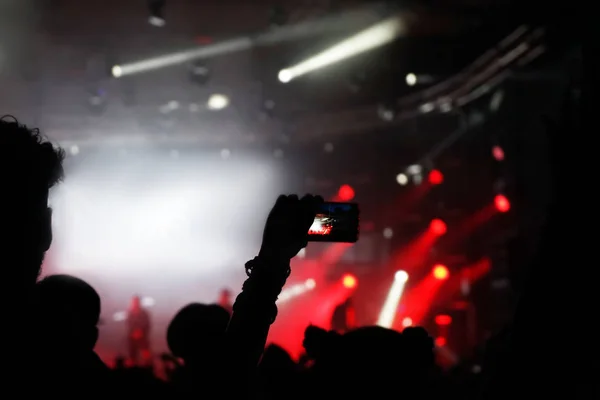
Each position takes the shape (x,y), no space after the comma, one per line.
(74,150)
(117,71)
(296,290)
(401,276)
(411,79)
(174,229)
(147,302)
(368,39)
(217,102)
(120,316)
(301,253)
(291,32)
(402,179)
(414,169)
(390,307)
(156,21)
(388,233)
(427,107)
(406,322)
(285,76)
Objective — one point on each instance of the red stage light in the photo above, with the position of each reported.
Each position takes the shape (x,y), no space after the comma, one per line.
(440,272)
(498,153)
(346,193)
(436,177)
(438,227)
(349,281)
(501,202)
(443,319)
(440,341)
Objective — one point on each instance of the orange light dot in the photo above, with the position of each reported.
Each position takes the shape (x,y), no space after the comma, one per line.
(440,272)
(349,281)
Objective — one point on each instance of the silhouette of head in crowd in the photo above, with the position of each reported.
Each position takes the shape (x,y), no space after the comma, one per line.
(70,309)
(32,167)
(196,333)
(367,355)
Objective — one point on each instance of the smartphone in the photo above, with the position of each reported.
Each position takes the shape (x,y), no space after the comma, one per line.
(335,222)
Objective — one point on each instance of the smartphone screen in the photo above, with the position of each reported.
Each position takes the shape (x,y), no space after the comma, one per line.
(335,222)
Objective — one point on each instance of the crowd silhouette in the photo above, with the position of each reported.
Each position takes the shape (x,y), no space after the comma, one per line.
(50,326)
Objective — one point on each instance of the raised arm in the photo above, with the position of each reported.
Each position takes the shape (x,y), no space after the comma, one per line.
(286,232)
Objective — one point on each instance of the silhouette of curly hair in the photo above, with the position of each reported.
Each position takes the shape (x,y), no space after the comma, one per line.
(32,160)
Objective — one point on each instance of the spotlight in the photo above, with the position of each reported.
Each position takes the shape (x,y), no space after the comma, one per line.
(157,12)
(285,75)
(436,177)
(502,204)
(349,281)
(438,227)
(401,276)
(440,272)
(402,179)
(217,102)
(346,193)
(411,79)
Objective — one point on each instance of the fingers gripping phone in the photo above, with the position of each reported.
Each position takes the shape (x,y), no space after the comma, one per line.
(335,222)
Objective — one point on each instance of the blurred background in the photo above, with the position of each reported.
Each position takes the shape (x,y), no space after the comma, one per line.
(183,120)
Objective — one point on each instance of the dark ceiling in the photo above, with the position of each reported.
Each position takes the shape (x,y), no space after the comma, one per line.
(67,47)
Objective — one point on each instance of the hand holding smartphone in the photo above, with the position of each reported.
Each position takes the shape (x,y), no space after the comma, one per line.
(335,222)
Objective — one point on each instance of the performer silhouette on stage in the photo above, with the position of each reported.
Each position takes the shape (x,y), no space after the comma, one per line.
(225,300)
(343,318)
(138,333)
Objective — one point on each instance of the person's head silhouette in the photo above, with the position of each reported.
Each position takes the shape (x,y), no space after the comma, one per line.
(32,166)
(70,310)
(136,303)
(196,332)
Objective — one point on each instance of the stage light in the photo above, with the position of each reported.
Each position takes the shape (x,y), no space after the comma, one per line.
(157,11)
(116,71)
(411,79)
(436,177)
(406,322)
(390,306)
(349,281)
(502,204)
(285,76)
(498,153)
(346,193)
(443,320)
(401,276)
(388,233)
(402,179)
(440,341)
(217,102)
(438,227)
(440,272)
